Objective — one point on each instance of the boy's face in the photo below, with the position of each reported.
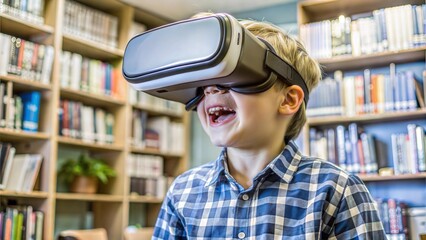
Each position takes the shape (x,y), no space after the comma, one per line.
(241,120)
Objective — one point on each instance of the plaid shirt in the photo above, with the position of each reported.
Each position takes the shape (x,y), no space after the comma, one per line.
(294,197)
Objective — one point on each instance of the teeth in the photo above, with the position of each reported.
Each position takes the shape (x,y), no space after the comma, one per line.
(216,110)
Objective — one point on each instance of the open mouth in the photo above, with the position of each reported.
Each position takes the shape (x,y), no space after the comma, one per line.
(220,114)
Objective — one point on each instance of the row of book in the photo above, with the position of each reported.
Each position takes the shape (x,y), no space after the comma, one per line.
(90,124)
(353,151)
(359,152)
(89,75)
(29,10)
(145,100)
(157,132)
(367,93)
(409,150)
(153,187)
(20,112)
(26,59)
(18,172)
(146,175)
(21,222)
(394,216)
(386,29)
(89,23)
(145,166)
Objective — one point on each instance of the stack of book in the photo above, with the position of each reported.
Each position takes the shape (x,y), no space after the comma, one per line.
(18,172)
(28,10)
(87,123)
(368,93)
(146,175)
(21,222)
(89,75)
(88,23)
(386,29)
(26,59)
(20,112)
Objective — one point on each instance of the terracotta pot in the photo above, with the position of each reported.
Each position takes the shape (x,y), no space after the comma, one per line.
(84,184)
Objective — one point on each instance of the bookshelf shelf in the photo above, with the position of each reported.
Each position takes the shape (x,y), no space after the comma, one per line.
(33,194)
(90,48)
(25,84)
(89,197)
(15,26)
(367,118)
(317,10)
(19,135)
(376,178)
(153,111)
(372,60)
(144,199)
(141,150)
(90,98)
(91,146)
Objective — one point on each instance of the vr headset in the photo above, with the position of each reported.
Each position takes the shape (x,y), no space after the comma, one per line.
(176,61)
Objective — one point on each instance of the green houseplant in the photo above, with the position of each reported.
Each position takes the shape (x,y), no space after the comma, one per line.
(84,173)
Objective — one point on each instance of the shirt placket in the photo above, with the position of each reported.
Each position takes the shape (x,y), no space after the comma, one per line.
(242,215)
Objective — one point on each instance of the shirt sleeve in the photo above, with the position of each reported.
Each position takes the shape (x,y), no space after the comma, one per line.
(357,217)
(169,224)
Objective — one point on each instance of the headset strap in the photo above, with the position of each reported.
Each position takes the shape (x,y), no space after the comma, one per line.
(287,72)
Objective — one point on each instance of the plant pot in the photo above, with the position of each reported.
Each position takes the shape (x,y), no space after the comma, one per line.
(84,184)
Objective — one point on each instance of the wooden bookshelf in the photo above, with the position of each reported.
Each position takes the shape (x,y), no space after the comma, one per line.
(151,151)
(158,112)
(33,194)
(90,98)
(372,60)
(382,125)
(144,199)
(111,206)
(26,29)
(25,84)
(90,48)
(87,145)
(368,118)
(89,197)
(19,135)
(377,178)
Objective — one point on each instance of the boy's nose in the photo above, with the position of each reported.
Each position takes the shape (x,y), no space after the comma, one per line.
(213,90)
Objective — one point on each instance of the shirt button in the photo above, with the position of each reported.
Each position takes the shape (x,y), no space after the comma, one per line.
(246,197)
(241,235)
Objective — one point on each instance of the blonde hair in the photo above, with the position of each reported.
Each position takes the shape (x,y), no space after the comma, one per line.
(294,53)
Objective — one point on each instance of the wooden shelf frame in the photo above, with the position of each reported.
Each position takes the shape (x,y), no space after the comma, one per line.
(111,210)
(318,10)
(378,178)
(368,118)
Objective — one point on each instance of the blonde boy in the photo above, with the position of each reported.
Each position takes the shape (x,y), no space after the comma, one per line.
(261,187)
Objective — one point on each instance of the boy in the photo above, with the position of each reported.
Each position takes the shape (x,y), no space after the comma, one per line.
(261,187)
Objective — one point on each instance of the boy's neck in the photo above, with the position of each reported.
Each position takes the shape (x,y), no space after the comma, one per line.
(245,164)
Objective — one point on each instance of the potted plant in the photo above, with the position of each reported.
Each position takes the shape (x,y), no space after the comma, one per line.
(84,173)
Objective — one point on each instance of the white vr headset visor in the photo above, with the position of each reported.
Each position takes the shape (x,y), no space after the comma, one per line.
(177,60)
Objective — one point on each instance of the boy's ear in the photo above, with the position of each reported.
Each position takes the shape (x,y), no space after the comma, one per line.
(292,99)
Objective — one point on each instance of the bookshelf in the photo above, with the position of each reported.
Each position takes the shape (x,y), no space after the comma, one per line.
(405,187)
(112,207)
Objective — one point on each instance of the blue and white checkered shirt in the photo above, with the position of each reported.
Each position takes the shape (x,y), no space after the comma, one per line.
(294,197)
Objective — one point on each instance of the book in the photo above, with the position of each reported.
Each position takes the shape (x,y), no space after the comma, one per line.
(31,172)
(7,153)
(31,110)
(421,148)
(17,173)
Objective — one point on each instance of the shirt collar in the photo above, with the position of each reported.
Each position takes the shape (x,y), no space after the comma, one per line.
(284,165)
